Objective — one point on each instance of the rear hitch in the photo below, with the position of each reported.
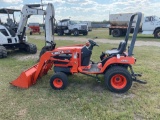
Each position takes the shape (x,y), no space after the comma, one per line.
(139,81)
(135,75)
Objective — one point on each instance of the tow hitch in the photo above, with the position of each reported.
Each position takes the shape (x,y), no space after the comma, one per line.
(135,75)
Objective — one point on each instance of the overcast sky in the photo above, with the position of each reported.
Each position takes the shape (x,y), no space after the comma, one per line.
(89,10)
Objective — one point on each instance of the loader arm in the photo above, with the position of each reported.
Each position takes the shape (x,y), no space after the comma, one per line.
(29,77)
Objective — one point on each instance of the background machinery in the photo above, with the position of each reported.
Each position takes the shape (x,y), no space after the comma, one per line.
(150,25)
(115,64)
(34,28)
(12,35)
(68,27)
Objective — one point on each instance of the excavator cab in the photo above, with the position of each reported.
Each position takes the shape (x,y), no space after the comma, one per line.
(11,21)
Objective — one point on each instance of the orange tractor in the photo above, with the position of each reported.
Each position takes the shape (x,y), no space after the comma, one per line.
(115,64)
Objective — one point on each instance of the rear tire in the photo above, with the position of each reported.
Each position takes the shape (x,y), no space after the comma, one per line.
(116,33)
(59,81)
(3,52)
(157,34)
(30,33)
(85,33)
(118,79)
(43,50)
(31,48)
(123,33)
(60,32)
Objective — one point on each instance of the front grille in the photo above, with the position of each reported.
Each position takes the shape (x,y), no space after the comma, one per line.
(83,27)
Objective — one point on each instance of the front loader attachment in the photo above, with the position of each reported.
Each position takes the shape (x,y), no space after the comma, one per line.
(30,76)
(26,78)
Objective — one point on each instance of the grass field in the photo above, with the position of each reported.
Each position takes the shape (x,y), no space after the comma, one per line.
(103,33)
(84,98)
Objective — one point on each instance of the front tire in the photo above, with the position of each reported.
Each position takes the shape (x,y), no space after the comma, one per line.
(118,79)
(3,52)
(157,34)
(59,81)
(31,48)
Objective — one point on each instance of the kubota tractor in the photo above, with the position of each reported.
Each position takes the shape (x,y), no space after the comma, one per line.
(115,64)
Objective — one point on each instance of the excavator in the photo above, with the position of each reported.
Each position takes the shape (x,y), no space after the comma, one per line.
(115,65)
(13,35)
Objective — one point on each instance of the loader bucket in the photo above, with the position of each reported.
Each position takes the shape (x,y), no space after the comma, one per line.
(30,76)
(26,79)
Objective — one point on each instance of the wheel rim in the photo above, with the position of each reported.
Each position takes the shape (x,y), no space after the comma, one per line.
(115,33)
(158,34)
(75,33)
(118,81)
(58,83)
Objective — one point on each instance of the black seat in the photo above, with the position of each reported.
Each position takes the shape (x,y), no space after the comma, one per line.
(121,48)
(85,56)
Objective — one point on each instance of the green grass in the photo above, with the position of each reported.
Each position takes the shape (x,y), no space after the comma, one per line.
(103,33)
(84,98)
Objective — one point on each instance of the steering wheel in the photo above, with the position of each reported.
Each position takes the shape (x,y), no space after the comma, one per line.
(92,44)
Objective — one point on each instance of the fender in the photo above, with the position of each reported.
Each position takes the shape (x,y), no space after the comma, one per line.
(116,60)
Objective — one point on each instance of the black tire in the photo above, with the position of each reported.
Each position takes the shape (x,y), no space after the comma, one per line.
(116,33)
(43,50)
(31,48)
(85,33)
(30,33)
(118,79)
(59,81)
(3,52)
(75,32)
(157,34)
(67,33)
(123,33)
(60,32)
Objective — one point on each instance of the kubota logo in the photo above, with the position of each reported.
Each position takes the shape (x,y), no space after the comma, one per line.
(124,60)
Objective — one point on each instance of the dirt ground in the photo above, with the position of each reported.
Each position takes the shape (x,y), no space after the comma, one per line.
(138,43)
(26,57)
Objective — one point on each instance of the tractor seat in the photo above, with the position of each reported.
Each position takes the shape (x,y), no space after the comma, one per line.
(121,48)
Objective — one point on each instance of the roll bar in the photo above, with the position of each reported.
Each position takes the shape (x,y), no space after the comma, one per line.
(139,14)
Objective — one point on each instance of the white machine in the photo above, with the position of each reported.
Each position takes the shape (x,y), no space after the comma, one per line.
(89,24)
(119,24)
(67,27)
(13,35)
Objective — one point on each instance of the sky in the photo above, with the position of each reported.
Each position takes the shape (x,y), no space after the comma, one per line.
(88,10)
